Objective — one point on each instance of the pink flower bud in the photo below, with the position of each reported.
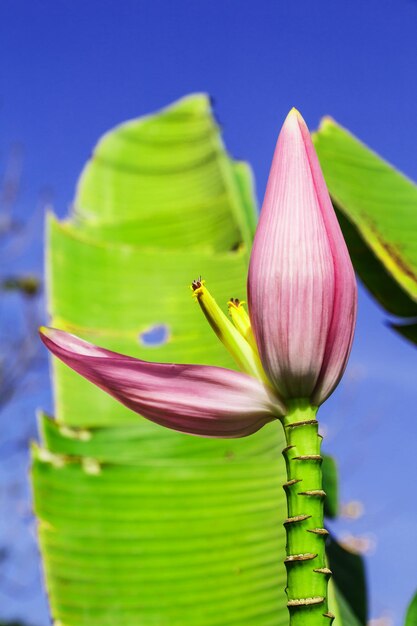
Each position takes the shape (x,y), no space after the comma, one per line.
(301,286)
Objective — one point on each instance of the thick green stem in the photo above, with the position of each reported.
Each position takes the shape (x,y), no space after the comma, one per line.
(307,571)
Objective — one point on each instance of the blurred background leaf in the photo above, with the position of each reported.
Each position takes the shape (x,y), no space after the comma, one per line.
(411,617)
(377,209)
(138,523)
(348,596)
(330,486)
(345,615)
(350,583)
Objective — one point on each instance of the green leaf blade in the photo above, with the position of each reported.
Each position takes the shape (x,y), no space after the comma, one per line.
(139,524)
(411,617)
(380,205)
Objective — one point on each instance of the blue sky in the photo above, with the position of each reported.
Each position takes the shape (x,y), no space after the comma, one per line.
(72,69)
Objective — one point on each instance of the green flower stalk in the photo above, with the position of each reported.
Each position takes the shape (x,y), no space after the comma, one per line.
(306,558)
(292,349)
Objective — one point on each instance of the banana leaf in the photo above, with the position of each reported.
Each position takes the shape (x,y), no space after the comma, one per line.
(349,580)
(348,592)
(330,486)
(377,210)
(137,524)
(341,609)
(411,617)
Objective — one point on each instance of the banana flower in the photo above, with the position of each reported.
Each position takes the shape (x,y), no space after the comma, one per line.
(293,345)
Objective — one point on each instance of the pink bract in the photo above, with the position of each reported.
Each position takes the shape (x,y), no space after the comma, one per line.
(301,283)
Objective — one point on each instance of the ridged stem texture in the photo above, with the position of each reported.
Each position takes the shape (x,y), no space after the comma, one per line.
(307,570)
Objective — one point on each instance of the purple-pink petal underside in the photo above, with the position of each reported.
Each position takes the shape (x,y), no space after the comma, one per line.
(291,281)
(195,399)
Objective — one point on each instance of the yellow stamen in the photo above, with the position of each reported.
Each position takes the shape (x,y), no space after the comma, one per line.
(242,352)
(241,320)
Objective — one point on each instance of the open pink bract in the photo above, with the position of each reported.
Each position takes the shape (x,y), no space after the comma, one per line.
(196,399)
(302,306)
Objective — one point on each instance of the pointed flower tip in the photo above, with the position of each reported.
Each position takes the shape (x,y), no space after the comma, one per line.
(294,116)
(294,127)
(294,112)
(44,331)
